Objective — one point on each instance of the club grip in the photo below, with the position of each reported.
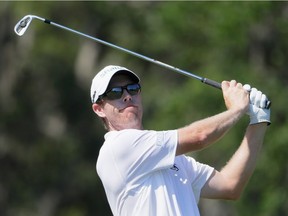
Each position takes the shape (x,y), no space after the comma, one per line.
(212,83)
(218,86)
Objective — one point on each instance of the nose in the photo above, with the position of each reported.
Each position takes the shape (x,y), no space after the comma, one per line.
(126,96)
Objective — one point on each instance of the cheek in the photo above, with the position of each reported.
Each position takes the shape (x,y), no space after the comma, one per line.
(111,110)
(139,102)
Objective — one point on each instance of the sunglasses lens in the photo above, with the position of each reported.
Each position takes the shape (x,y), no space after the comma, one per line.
(133,89)
(114,93)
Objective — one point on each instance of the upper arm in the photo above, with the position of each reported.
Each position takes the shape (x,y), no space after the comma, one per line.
(218,187)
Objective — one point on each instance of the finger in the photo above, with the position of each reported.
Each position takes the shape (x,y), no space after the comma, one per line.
(239,85)
(247,87)
(233,83)
(253,95)
(263,101)
(258,98)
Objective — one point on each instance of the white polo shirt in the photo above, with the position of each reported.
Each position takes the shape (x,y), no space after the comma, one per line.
(142,177)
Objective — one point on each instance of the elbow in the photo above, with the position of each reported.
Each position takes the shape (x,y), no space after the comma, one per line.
(232,190)
(203,140)
(233,194)
(199,141)
(207,137)
(200,138)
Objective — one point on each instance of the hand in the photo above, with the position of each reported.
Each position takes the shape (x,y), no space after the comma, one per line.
(257,108)
(235,96)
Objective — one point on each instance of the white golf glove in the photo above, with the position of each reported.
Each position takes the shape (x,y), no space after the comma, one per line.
(257,108)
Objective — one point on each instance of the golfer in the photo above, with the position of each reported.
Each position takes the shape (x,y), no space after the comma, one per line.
(146,173)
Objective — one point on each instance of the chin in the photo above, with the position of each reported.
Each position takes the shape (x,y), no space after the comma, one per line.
(132,125)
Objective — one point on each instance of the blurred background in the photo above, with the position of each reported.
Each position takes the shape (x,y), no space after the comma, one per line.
(49,136)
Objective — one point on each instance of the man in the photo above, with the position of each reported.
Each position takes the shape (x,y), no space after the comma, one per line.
(145,172)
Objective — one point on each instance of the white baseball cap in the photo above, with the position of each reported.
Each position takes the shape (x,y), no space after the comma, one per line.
(101,80)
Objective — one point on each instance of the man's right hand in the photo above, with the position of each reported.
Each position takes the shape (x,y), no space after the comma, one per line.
(235,96)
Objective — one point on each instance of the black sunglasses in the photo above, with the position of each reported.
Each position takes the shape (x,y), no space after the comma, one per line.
(117,92)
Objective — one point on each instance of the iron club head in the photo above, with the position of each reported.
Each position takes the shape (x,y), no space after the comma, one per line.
(21,27)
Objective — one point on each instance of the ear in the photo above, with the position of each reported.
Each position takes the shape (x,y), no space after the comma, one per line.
(98,109)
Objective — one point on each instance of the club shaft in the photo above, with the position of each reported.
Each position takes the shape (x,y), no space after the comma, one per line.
(180,71)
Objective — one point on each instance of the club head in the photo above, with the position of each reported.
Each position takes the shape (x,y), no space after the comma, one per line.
(23,24)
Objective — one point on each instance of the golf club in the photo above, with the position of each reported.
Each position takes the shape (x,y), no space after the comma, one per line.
(21,27)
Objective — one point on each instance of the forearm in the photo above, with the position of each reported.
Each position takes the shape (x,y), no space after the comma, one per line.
(242,164)
(202,133)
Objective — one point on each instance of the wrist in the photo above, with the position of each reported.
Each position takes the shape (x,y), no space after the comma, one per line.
(237,112)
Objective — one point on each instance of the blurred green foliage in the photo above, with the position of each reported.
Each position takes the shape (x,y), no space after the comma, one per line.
(49,136)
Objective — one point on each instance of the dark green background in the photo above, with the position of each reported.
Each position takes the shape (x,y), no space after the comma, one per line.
(49,136)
